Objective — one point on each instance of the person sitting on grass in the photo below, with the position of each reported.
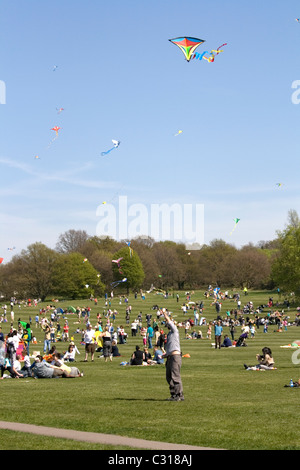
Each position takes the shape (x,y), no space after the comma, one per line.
(137,357)
(266,361)
(227,342)
(115,349)
(9,368)
(70,354)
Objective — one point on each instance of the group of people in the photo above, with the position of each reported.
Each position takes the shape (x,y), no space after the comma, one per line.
(48,366)
(166,348)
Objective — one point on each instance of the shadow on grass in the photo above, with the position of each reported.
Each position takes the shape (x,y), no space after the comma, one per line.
(139,399)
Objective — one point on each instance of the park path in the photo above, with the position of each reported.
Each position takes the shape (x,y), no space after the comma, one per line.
(96,438)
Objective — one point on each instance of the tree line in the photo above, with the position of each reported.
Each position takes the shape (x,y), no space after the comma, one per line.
(82,265)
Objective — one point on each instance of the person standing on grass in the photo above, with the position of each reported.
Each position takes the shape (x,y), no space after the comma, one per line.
(218,334)
(173,363)
(150,334)
(47,342)
(90,339)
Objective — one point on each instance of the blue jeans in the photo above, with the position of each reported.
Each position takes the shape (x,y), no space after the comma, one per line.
(150,342)
(47,344)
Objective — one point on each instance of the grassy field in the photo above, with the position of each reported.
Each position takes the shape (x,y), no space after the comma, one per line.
(225,405)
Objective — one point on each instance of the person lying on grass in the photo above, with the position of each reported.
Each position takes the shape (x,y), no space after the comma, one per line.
(266,361)
(70,372)
(44,370)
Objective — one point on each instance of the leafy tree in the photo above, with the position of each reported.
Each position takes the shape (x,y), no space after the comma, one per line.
(286,266)
(76,279)
(131,267)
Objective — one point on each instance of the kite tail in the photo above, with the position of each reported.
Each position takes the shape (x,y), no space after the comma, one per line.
(233,229)
(225,44)
(52,141)
(105,153)
(199,56)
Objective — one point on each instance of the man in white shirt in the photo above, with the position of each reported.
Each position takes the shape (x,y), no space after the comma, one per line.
(134,326)
(90,342)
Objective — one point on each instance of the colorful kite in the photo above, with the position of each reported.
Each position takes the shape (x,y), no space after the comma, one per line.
(11,248)
(1,259)
(298,20)
(116,283)
(116,145)
(117,261)
(179,132)
(85,260)
(236,221)
(187,45)
(59,110)
(130,249)
(279,185)
(56,129)
(36,157)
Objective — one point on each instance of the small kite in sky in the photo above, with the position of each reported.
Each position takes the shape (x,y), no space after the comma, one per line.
(36,157)
(279,185)
(1,259)
(11,248)
(179,132)
(298,20)
(236,221)
(59,110)
(116,283)
(55,67)
(116,145)
(187,45)
(56,129)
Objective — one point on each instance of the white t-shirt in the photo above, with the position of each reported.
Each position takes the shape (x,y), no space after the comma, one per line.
(88,336)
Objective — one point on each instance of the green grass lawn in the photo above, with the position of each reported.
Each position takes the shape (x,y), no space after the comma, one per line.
(225,406)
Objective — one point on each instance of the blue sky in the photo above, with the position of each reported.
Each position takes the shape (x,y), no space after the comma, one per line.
(118,77)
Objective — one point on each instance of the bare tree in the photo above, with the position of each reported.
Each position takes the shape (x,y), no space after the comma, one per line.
(71,241)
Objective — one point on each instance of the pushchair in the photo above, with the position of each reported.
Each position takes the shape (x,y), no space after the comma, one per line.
(242,340)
